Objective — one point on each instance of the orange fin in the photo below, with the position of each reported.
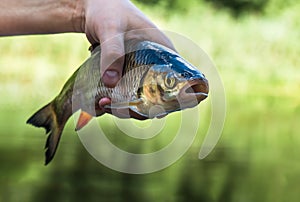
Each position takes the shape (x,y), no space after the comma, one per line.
(83,119)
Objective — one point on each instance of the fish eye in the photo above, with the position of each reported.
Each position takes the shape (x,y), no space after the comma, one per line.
(170,80)
(185,74)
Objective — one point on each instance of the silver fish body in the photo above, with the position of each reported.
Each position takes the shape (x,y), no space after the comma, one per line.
(153,75)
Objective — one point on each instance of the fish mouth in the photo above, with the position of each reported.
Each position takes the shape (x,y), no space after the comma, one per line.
(196,89)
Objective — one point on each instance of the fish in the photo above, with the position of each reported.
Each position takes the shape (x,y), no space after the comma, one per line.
(155,82)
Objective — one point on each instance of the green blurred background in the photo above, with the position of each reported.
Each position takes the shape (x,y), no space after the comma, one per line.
(255,46)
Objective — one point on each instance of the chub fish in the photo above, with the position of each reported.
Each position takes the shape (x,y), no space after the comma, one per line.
(153,76)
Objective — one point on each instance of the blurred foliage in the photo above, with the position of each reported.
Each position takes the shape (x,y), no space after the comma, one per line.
(169,5)
(236,7)
(256,159)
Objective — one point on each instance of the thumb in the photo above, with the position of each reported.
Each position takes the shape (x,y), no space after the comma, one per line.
(112,58)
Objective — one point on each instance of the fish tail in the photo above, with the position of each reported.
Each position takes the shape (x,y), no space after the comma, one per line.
(47,118)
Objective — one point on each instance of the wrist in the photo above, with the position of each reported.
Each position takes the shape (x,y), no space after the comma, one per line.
(78,17)
(40,17)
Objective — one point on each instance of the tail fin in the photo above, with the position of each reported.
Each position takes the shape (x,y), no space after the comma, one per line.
(47,118)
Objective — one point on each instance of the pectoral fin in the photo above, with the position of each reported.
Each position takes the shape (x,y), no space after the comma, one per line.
(83,119)
(126,109)
(124,105)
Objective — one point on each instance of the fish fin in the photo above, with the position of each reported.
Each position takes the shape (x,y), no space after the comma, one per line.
(47,118)
(123,105)
(83,119)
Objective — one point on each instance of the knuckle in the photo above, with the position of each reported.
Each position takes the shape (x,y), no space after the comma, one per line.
(112,55)
(113,50)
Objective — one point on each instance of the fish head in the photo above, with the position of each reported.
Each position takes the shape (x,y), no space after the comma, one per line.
(163,82)
(173,85)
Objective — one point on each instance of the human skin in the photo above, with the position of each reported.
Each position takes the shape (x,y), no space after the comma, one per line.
(108,22)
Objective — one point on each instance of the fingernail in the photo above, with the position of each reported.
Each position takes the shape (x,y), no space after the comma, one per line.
(112,73)
(110,78)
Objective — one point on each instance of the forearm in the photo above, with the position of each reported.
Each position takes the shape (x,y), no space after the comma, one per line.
(19,17)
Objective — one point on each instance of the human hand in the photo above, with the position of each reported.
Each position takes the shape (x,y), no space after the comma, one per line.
(111,23)
(108,22)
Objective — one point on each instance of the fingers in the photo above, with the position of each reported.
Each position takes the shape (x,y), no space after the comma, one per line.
(112,57)
(104,101)
(150,34)
(105,23)
(108,23)
(140,28)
